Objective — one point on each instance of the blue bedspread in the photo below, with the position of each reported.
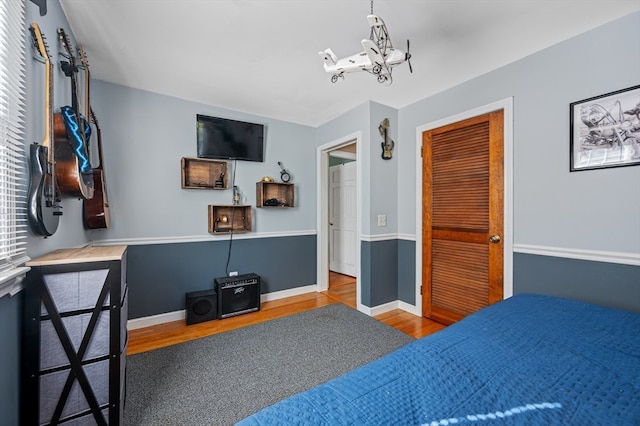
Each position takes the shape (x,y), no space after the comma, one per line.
(529,360)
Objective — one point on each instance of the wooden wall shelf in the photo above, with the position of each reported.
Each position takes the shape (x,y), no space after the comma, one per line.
(202,173)
(282,193)
(226,219)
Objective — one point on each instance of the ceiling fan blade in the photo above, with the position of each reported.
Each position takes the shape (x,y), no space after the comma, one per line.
(408,58)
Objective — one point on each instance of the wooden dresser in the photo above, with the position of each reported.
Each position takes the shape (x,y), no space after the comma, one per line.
(75,337)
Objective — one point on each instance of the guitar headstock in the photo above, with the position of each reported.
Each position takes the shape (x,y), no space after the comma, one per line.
(64,39)
(39,41)
(384,125)
(83,57)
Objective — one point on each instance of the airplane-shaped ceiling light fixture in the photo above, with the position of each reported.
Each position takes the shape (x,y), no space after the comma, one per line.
(379,56)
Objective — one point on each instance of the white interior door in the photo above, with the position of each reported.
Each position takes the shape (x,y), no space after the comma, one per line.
(342,218)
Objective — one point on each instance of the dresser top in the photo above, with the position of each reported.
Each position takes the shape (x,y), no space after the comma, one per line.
(79,255)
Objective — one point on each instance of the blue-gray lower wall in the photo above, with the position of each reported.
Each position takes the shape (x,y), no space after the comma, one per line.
(607,284)
(407,271)
(11,338)
(379,273)
(159,275)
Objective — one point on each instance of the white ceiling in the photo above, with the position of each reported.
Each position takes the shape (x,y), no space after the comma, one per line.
(261,56)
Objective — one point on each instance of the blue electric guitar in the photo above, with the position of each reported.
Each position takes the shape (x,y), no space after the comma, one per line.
(74,173)
(43,204)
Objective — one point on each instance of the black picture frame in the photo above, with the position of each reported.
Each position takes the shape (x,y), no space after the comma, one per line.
(605,131)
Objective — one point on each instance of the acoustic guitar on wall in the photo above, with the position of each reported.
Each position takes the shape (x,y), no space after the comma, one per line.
(43,200)
(96,210)
(72,133)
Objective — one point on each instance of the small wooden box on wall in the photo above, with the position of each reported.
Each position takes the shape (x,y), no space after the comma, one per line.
(274,194)
(229,218)
(201,173)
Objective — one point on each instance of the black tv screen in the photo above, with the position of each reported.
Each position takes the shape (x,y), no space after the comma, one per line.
(225,139)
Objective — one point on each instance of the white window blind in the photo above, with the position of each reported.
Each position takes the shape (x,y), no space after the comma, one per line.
(13,220)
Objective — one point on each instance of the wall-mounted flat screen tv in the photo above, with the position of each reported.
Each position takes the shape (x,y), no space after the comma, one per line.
(225,139)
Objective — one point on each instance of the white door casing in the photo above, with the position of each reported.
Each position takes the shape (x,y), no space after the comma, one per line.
(322,219)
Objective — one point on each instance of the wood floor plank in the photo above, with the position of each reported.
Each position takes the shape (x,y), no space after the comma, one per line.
(409,324)
(336,279)
(344,294)
(154,337)
(342,289)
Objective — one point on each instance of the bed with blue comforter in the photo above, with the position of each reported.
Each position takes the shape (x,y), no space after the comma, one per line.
(528,360)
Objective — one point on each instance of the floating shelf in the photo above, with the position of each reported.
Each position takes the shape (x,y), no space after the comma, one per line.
(226,219)
(202,173)
(274,194)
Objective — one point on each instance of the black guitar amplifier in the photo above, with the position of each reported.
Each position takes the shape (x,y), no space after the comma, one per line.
(238,295)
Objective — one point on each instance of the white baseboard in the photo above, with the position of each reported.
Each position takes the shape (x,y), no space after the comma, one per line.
(379,309)
(412,309)
(390,306)
(386,307)
(288,293)
(152,320)
(134,324)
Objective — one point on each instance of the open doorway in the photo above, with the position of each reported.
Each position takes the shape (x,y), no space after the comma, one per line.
(342,210)
(342,223)
(338,224)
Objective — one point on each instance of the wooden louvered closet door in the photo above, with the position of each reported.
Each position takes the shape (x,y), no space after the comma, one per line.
(462,220)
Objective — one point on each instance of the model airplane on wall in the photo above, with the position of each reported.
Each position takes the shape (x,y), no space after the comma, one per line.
(379,56)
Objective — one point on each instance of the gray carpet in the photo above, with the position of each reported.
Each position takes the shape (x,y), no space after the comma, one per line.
(221,379)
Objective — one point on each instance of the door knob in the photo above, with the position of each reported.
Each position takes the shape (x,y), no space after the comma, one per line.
(331,223)
(494,238)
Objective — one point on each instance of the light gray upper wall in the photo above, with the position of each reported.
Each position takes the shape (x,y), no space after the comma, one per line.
(352,121)
(144,137)
(590,210)
(383,174)
(379,177)
(146,134)
(71,232)
(355,121)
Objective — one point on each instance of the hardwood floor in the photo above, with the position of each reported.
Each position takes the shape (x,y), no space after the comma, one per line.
(342,289)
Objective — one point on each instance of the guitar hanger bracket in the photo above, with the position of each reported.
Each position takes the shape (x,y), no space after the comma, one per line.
(42,4)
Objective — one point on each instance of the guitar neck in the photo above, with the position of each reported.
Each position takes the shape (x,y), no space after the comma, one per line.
(74,93)
(99,136)
(70,68)
(47,140)
(87,80)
